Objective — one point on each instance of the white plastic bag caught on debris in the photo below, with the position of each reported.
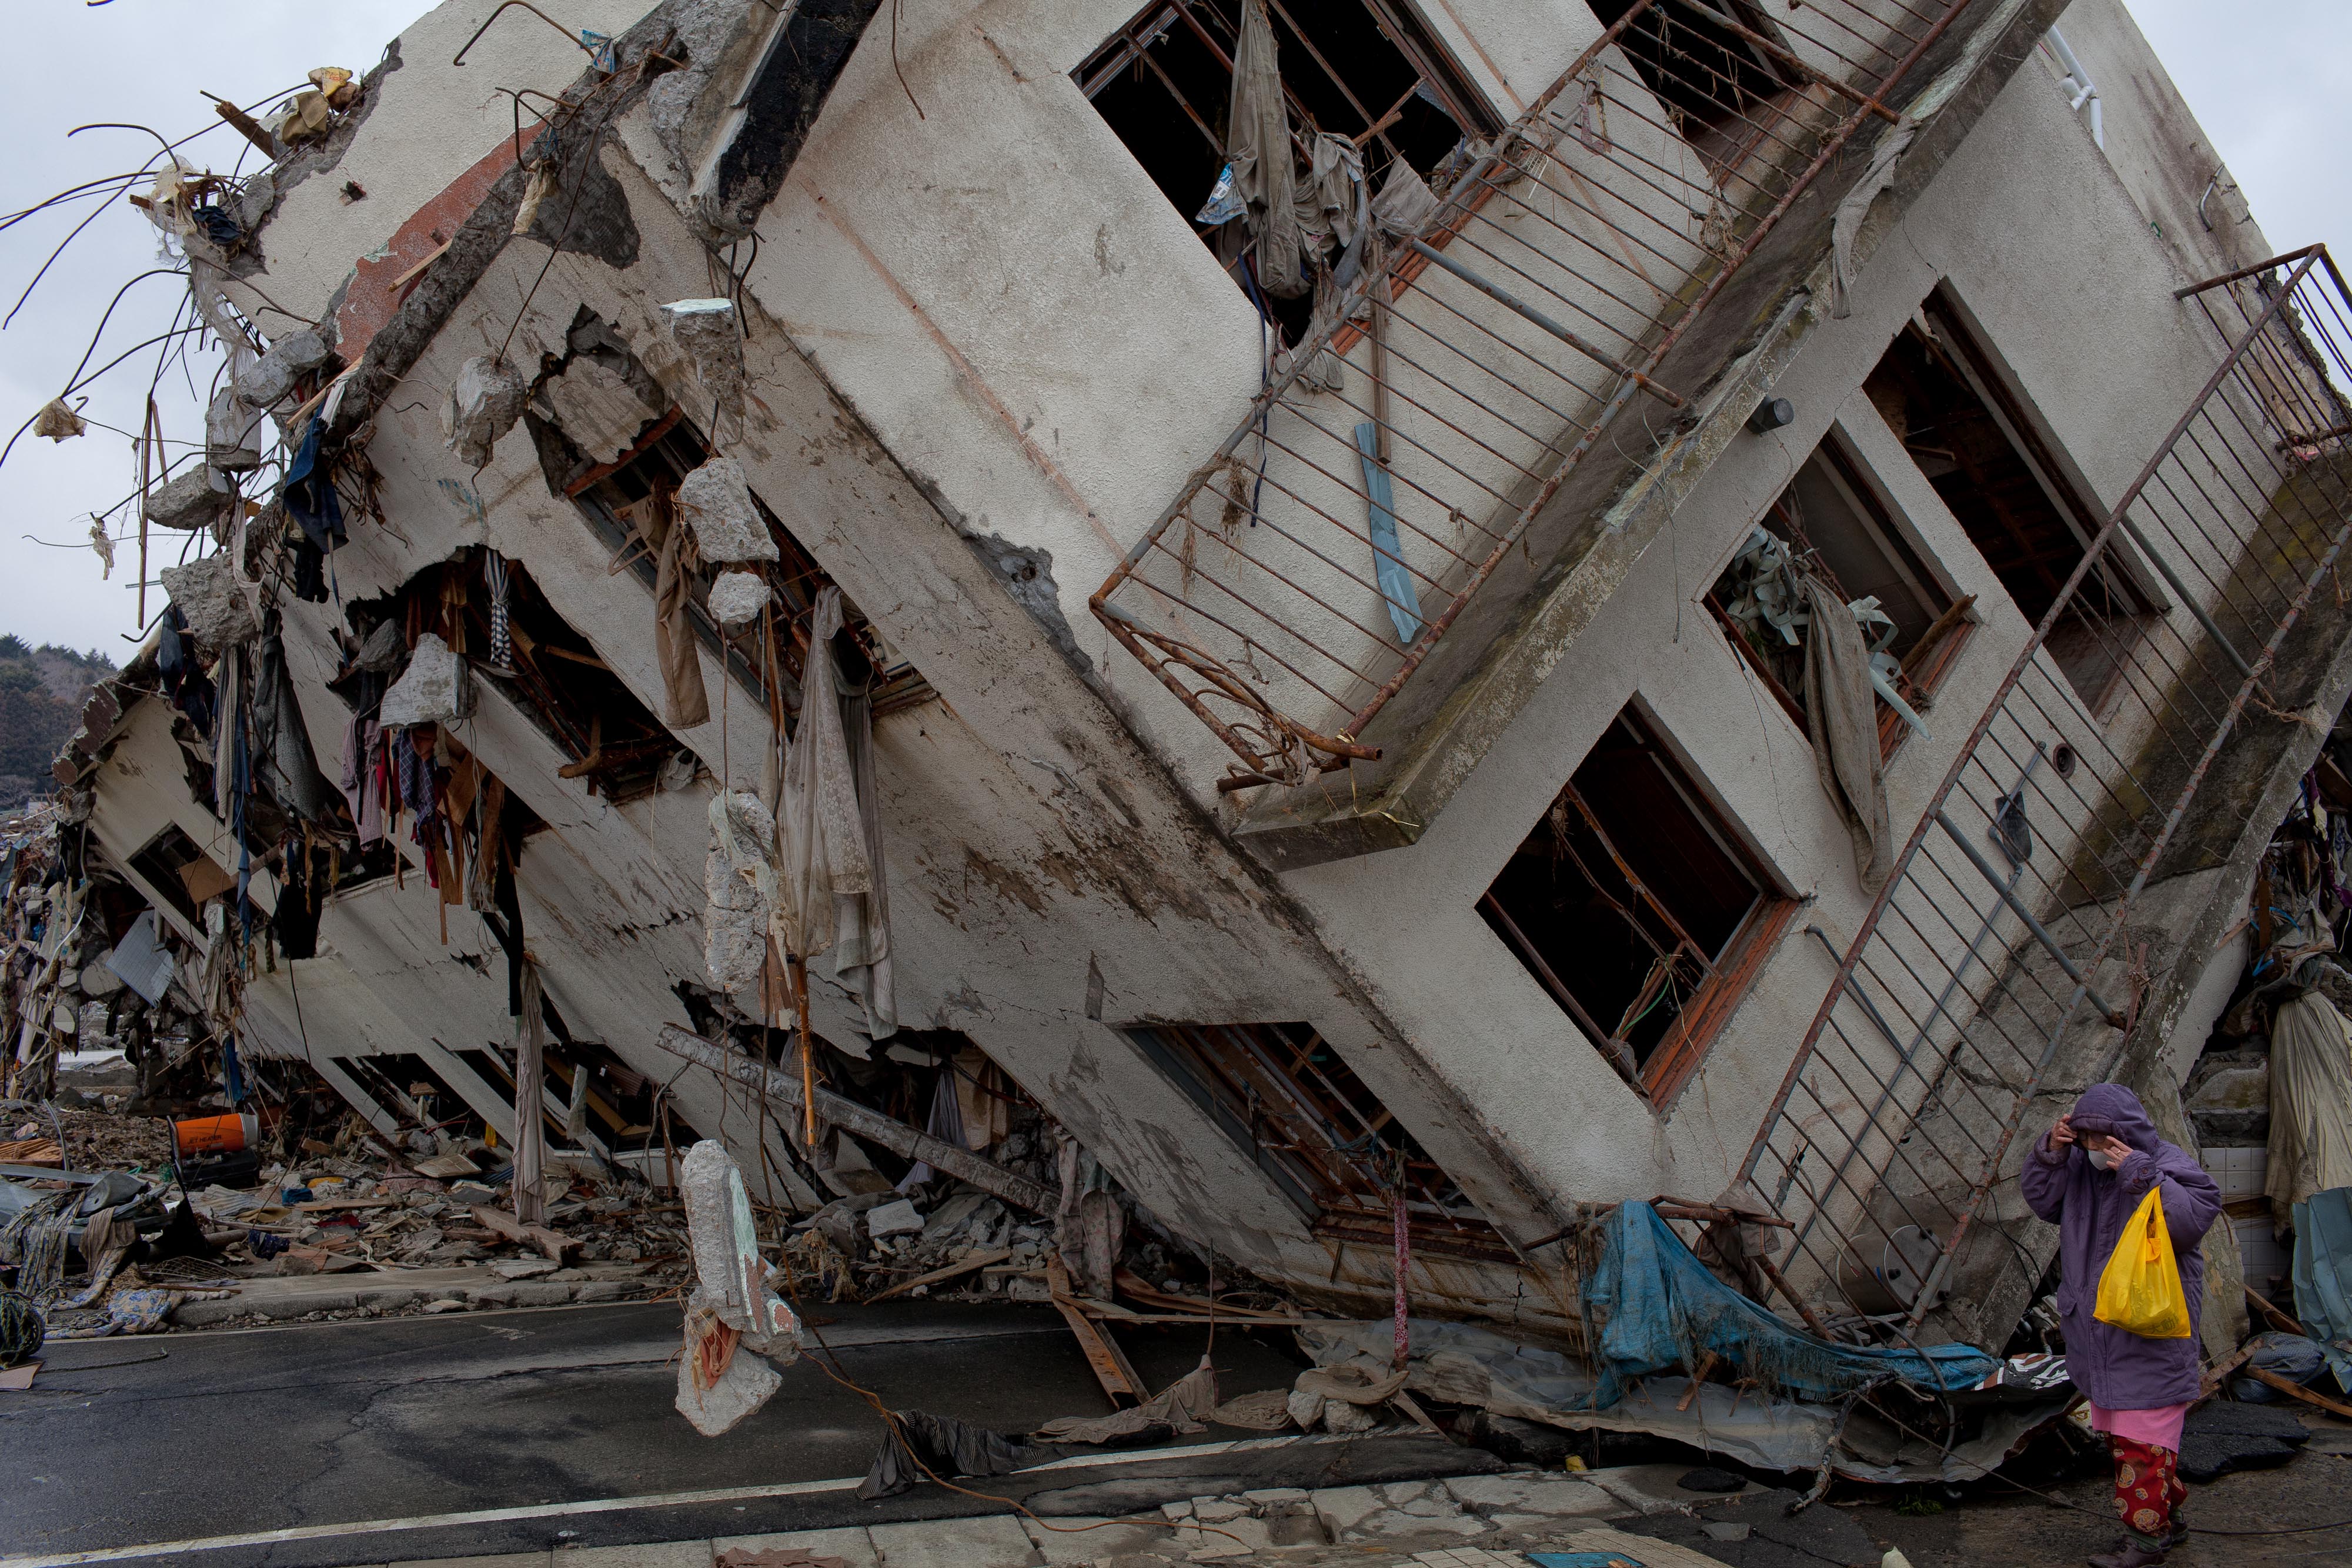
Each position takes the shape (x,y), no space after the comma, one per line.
(732,1307)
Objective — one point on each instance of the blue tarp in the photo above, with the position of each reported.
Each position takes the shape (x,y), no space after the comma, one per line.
(1655,1306)
(2323,1275)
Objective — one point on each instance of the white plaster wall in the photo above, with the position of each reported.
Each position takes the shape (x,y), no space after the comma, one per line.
(431,120)
(2106,357)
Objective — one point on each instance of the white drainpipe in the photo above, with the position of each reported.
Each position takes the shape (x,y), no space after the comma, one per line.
(2078,83)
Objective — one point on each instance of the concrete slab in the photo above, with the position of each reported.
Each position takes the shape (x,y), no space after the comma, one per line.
(853,1546)
(1078,1541)
(1653,1489)
(1392,1524)
(993,1541)
(1210,1540)
(1547,1497)
(1343,1508)
(650,1554)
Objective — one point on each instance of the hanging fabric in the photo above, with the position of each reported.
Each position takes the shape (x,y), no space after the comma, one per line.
(687,702)
(494,571)
(1841,717)
(862,948)
(1257,139)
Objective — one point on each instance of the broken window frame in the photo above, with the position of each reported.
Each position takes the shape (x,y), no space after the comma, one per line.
(1723,978)
(1650,37)
(1442,76)
(1956,339)
(1930,658)
(1319,1133)
(669,449)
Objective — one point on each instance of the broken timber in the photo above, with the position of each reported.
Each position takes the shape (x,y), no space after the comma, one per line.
(554,1243)
(853,1118)
(1112,1369)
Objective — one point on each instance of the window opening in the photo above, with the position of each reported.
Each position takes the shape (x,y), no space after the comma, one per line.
(613,497)
(1937,389)
(1712,81)
(1280,1092)
(167,856)
(1636,908)
(1831,523)
(1364,70)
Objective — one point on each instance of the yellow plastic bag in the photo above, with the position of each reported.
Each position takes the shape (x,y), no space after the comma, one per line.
(2140,1291)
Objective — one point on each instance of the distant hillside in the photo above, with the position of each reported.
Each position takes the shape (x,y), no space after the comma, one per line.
(41,696)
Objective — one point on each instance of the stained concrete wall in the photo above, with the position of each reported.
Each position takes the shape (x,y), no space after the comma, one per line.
(982,344)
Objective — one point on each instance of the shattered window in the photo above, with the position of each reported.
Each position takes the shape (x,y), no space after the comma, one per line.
(1701,59)
(613,497)
(1636,908)
(1319,1132)
(1829,524)
(1360,69)
(1937,389)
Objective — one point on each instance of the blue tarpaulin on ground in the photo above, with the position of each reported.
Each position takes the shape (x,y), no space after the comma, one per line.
(1655,1307)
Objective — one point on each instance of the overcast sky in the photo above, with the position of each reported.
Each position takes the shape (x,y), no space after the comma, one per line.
(2268,78)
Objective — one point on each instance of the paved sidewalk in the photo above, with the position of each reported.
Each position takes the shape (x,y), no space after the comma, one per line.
(1640,1513)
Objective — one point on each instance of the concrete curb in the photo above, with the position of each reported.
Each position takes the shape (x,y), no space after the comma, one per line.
(1462,1521)
(284,1299)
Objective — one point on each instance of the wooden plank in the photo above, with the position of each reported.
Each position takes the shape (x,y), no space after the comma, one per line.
(2285,1384)
(2277,1319)
(554,1243)
(1110,1364)
(2221,1370)
(784,1088)
(1133,1285)
(332,1205)
(977,1260)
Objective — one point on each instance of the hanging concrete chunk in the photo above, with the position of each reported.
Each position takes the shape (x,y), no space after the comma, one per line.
(597,408)
(739,889)
(737,598)
(484,402)
(186,501)
(718,1383)
(433,690)
(272,376)
(209,594)
(705,330)
(231,445)
(727,525)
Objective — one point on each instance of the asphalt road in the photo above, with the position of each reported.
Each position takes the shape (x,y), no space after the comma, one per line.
(123,1443)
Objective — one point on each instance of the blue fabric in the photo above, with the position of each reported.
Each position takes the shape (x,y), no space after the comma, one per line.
(1388,553)
(310,498)
(1658,1307)
(2323,1275)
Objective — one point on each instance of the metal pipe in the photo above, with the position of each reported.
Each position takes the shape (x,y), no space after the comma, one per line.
(2041,932)
(1504,297)
(2078,82)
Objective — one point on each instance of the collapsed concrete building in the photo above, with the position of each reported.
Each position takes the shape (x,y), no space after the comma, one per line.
(1365,729)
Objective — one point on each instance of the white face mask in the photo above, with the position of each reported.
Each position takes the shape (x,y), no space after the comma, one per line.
(2099,1158)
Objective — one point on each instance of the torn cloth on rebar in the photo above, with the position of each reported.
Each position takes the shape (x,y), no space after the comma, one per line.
(1842,716)
(1659,1308)
(281,742)
(1180,1408)
(861,954)
(821,828)
(1257,141)
(944,1446)
(1845,227)
(684,697)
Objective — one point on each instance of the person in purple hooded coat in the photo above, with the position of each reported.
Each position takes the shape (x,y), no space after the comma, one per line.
(2087,1176)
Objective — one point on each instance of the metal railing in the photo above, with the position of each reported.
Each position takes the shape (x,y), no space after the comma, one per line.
(1999,960)
(1307,569)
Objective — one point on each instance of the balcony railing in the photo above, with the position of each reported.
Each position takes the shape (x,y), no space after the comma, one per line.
(2001,961)
(1306,571)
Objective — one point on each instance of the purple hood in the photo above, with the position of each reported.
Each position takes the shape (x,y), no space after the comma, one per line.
(2117,1370)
